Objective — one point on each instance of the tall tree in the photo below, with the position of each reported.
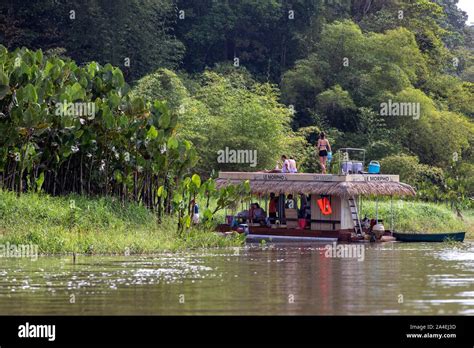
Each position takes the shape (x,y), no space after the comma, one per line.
(136,35)
(265,36)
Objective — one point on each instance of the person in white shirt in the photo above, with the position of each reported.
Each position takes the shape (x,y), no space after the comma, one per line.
(289,165)
(286,164)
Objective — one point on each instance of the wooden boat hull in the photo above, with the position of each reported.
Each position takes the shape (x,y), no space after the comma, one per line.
(258,233)
(429,237)
(278,239)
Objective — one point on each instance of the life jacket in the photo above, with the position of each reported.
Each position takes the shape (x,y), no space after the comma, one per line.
(324,206)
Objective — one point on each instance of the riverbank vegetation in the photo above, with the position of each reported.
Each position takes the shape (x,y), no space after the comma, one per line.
(415,216)
(74,223)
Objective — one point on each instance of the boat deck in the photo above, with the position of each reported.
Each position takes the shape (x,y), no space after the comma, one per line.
(297,234)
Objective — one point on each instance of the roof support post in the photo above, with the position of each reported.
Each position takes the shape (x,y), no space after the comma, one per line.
(391,214)
(377,209)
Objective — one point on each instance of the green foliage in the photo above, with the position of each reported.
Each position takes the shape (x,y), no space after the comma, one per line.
(95,226)
(304,151)
(411,171)
(454,185)
(135,31)
(424,18)
(409,216)
(338,107)
(228,110)
(453,94)
(435,135)
(191,190)
(404,165)
(75,129)
(241,117)
(260,34)
(350,74)
(165,85)
(353,68)
(301,85)
(336,63)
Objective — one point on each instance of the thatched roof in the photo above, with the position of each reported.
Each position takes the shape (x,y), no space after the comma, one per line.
(342,189)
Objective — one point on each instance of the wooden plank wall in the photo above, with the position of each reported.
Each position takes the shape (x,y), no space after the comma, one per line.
(317,215)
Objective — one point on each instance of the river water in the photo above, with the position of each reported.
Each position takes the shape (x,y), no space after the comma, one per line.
(392,278)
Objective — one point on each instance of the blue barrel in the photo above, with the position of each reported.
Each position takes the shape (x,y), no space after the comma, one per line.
(374,167)
(347,167)
(357,167)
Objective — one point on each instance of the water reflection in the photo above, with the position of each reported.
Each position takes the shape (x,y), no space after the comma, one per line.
(394,278)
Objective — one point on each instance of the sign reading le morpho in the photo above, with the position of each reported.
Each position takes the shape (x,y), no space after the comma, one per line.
(277,177)
(378,178)
(311,177)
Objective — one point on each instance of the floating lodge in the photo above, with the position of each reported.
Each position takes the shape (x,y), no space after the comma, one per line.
(343,192)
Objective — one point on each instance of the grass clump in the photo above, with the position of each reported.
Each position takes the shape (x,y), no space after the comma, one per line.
(95,226)
(412,216)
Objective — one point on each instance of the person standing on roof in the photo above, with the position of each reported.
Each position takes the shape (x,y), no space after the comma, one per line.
(323,148)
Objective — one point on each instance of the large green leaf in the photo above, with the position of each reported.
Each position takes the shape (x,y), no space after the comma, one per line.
(177,198)
(138,105)
(173,143)
(164,120)
(4,80)
(196,180)
(118,80)
(114,100)
(118,176)
(152,133)
(4,89)
(77,92)
(39,182)
(48,68)
(160,190)
(108,117)
(92,68)
(28,94)
(39,57)
(207,214)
